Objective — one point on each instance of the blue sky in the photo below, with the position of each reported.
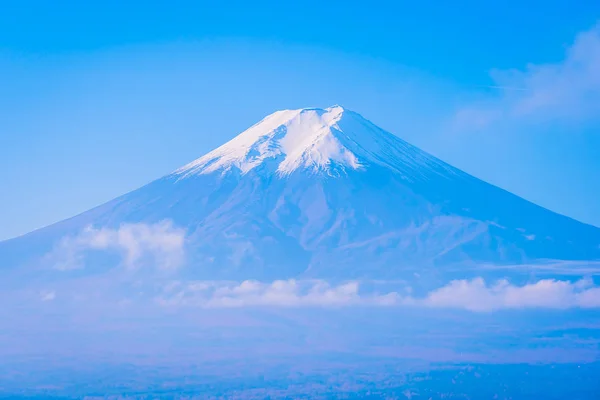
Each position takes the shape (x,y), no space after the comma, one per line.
(98,99)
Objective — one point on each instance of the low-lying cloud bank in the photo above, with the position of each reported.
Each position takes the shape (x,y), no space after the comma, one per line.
(473,295)
(160,244)
(280,293)
(476,295)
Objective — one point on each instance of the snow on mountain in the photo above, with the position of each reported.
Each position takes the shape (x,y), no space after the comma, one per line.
(331,140)
(313,193)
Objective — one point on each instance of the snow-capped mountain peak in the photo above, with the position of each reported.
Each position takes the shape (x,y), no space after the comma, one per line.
(330,140)
(303,138)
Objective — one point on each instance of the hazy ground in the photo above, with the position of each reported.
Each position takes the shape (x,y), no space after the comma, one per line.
(298,352)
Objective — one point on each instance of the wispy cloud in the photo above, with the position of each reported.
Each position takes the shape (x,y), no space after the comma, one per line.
(161,244)
(518,89)
(555,267)
(47,295)
(567,90)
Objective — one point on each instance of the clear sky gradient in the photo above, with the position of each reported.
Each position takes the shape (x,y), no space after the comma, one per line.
(98,99)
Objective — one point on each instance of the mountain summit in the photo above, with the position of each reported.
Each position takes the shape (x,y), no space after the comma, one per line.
(331,140)
(314,193)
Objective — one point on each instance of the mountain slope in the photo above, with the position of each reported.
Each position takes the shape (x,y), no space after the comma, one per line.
(326,193)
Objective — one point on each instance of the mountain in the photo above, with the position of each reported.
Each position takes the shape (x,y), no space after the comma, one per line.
(318,193)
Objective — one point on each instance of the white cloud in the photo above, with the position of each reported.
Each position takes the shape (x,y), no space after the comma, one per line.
(473,295)
(589,298)
(160,244)
(280,293)
(568,90)
(476,295)
(47,295)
